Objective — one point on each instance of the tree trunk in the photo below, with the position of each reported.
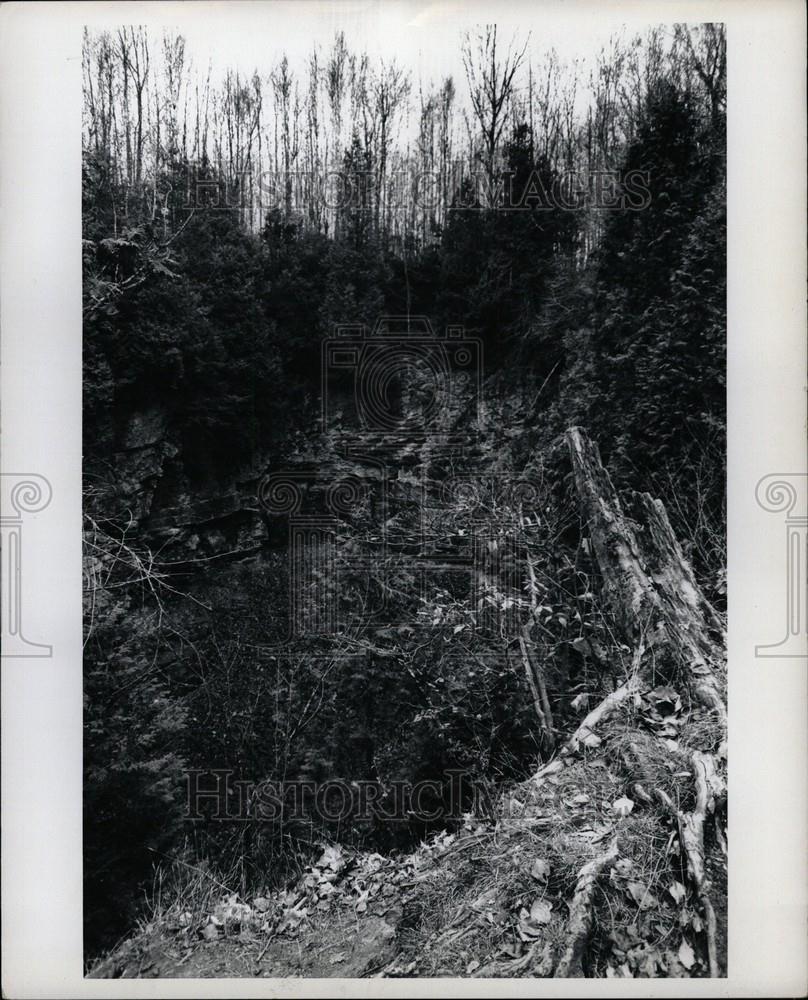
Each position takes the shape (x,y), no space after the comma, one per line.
(658,606)
(648,584)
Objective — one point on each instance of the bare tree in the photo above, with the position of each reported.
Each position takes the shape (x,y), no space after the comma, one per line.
(708,57)
(136,59)
(491,85)
(313,155)
(389,88)
(286,113)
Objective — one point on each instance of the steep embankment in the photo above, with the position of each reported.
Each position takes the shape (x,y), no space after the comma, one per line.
(610,861)
(580,873)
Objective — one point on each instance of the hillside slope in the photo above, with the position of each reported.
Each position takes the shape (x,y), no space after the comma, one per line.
(609,861)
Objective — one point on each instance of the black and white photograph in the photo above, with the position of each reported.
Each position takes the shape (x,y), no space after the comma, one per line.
(404,459)
(404,496)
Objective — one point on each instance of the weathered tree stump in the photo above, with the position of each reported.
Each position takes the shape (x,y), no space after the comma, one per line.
(650,589)
(648,584)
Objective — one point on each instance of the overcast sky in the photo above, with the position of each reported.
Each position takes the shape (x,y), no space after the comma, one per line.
(424,37)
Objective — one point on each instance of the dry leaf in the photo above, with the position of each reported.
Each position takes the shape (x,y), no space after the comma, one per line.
(677,891)
(641,895)
(580,701)
(333,858)
(686,955)
(651,964)
(400,970)
(541,912)
(529,933)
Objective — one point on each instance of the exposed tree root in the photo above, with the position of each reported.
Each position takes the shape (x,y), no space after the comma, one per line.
(580,922)
(585,735)
(710,793)
(537,959)
(709,789)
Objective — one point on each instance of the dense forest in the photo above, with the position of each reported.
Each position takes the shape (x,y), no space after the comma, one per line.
(566,224)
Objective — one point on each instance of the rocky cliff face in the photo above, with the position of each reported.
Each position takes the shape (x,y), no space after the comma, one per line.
(148,490)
